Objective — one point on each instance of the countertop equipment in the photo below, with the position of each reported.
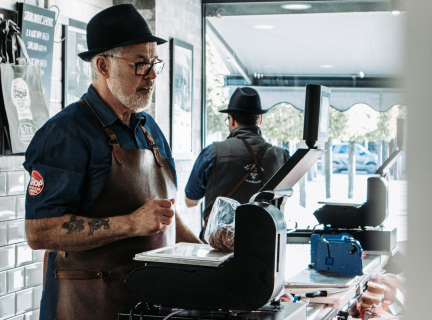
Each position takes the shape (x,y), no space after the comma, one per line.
(371,213)
(253,276)
(364,221)
(337,254)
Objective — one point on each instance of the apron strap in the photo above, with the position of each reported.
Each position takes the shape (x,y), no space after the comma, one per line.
(153,147)
(45,265)
(256,159)
(112,139)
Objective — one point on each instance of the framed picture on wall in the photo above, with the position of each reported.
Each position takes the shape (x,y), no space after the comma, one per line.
(181,73)
(76,72)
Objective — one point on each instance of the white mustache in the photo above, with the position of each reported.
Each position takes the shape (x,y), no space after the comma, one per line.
(145,88)
(148,86)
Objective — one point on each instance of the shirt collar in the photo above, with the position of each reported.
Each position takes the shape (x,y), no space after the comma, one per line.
(244,129)
(105,114)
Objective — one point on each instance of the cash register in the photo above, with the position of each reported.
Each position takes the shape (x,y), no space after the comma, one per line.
(201,282)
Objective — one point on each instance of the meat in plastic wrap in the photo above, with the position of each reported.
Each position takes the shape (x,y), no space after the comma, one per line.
(220,227)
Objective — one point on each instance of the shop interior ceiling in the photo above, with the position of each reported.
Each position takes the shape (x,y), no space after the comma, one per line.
(355,44)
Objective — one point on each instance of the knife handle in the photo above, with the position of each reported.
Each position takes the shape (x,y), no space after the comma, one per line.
(321,293)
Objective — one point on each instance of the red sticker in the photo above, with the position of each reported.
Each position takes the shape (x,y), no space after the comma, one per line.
(36,183)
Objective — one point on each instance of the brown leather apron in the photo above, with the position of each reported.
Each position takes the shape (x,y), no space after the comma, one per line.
(91,282)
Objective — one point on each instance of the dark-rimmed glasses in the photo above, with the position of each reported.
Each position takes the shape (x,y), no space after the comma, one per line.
(227,121)
(142,68)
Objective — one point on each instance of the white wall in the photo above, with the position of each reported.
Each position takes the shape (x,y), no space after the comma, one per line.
(181,20)
(418,66)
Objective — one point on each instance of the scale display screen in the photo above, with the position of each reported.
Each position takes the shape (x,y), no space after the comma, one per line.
(324,117)
(316,116)
(186,253)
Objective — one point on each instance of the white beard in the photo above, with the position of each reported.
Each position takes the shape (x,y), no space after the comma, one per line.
(136,102)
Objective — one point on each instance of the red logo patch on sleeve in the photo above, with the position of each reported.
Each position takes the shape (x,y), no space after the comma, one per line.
(36,183)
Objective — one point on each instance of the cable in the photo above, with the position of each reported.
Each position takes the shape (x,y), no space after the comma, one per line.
(55,22)
(132,311)
(313,230)
(173,313)
(205,314)
(58,13)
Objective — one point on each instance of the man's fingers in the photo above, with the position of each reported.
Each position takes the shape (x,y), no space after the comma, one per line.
(166,212)
(165,203)
(163,228)
(165,220)
(172,201)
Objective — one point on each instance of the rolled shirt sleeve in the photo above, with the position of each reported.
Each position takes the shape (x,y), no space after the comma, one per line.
(55,158)
(197,183)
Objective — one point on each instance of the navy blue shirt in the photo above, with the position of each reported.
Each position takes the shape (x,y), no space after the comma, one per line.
(72,157)
(196,186)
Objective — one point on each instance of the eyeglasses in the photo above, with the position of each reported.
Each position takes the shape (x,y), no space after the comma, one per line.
(227,121)
(142,68)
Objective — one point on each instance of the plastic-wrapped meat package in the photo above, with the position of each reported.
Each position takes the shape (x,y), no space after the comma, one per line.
(220,227)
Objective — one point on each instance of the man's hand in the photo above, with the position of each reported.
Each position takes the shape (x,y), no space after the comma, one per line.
(153,217)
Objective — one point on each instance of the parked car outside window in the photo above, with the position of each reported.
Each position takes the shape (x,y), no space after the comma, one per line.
(365,160)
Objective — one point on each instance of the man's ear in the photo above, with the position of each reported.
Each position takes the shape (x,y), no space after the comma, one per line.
(261,119)
(101,64)
(232,121)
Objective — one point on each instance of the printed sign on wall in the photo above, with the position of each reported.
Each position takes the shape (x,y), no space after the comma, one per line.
(24,110)
(37,31)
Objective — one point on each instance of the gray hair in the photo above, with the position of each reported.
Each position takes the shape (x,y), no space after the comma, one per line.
(95,73)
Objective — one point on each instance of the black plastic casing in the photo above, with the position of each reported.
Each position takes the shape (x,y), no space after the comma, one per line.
(250,279)
(316,117)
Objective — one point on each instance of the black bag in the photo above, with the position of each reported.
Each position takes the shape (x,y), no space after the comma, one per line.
(22,106)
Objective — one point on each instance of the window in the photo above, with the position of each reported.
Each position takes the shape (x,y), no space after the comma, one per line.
(343,46)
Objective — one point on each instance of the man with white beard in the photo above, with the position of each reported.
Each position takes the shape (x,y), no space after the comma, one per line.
(103,182)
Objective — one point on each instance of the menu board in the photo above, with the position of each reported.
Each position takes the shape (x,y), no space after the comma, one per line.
(37,31)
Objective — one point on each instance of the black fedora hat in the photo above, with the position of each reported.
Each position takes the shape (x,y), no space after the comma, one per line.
(245,101)
(114,27)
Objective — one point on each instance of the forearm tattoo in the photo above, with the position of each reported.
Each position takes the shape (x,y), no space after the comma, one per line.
(98,223)
(74,225)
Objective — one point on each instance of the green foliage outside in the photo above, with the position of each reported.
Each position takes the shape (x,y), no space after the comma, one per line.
(386,124)
(217,97)
(283,122)
(360,122)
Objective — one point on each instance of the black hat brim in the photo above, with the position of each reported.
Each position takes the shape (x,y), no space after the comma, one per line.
(244,112)
(145,38)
